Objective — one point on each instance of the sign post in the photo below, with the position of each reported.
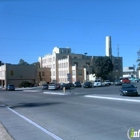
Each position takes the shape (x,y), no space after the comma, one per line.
(69,79)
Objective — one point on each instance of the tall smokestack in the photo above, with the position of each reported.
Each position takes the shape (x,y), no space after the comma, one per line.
(108,46)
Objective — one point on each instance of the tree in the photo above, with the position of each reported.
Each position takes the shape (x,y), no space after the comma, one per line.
(102,67)
(37,64)
(138,60)
(22,62)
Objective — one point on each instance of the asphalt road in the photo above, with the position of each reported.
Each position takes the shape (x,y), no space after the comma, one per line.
(73,116)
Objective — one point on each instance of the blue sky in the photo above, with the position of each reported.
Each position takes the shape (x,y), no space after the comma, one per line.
(32,28)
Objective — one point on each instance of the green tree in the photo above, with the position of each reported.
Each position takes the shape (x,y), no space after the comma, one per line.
(22,62)
(102,67)
(37,64)
(138,60)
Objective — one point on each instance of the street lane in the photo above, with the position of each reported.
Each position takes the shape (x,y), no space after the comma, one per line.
(72,117)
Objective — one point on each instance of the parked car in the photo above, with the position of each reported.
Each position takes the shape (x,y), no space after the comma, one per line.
(44,86)
(71,84)
(137,79)
(87,85)
(97,83)
(77,84)
(54,86)
(66,85)
(128,89)
(117,82)
(10,88)
(107,83)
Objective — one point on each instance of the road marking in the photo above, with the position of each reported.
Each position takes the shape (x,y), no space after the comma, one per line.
(111,98)
(35,124)
(54,93)
(32,90)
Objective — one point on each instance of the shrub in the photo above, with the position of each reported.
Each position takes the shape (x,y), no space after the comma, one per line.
(25,84)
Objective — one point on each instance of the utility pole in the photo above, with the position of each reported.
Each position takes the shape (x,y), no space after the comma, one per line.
(118,61)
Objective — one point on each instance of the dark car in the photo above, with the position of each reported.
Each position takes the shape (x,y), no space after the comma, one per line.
(117,83)
(77,84)
(71,84)
(66,85)
(44,86)
(10,88)
(128,89)
(87,85)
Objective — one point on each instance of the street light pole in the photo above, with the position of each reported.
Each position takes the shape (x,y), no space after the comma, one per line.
(118,62)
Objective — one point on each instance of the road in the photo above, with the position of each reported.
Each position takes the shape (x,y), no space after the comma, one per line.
(73,116)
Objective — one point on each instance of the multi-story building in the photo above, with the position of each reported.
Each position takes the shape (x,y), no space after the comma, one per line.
(129,72)
(80,66)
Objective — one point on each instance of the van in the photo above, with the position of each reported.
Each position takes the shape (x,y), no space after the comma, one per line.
(97,83)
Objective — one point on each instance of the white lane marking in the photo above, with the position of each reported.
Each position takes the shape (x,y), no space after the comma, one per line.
(111,98)
(54,93)
(32,90)
(35,124)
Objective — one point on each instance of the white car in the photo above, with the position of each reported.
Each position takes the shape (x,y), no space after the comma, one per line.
(107,83)
(97,83)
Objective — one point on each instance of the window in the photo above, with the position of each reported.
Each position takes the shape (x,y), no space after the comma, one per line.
(116,60)
(87,64)
(80,72)
(73,72)
(64,57)
(75,57)
(53,73)
(11,72)
(116,67)
(43,74)
(76,63)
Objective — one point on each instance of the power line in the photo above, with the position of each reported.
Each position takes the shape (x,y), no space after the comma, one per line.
(72,19)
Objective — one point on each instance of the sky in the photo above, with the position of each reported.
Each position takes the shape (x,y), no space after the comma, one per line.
(32,28)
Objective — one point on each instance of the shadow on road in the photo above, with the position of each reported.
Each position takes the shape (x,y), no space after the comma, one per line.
(26,105)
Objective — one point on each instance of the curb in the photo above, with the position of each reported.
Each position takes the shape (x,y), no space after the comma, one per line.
(4,135)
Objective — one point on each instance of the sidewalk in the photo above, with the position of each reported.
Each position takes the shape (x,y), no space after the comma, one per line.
(4,134)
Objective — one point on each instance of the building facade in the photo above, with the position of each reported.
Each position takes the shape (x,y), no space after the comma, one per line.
(15,74)
(129,72)
(80,66)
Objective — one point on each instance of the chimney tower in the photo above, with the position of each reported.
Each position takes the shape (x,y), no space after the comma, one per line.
(108,46)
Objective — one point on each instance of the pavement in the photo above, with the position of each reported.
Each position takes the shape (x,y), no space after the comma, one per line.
(4,135)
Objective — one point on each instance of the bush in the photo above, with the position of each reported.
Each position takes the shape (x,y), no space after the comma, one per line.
(26,84)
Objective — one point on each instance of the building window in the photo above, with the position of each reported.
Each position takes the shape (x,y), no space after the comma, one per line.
(87,64)
(116,67)
(75,57)
(53,73)
(53,66)
(116,60)
(11,72)
(76,63)
(73,72)
(80,72)
(64,57)
(43,74)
